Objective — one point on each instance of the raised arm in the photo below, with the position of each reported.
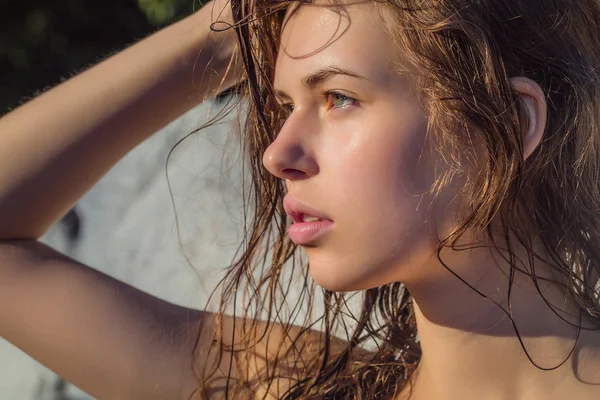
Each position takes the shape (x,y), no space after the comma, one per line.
(108,338)
(119,343)
(57,146)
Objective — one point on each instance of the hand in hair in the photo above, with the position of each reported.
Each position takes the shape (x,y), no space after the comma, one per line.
(58,145)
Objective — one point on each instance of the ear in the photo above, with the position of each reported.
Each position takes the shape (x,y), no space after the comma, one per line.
(533,112)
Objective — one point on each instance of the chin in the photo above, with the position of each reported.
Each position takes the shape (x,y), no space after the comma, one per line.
(335,285)
(327,277)
(338,279)
(348,274)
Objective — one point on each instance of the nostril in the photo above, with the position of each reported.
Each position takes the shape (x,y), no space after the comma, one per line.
(293,174)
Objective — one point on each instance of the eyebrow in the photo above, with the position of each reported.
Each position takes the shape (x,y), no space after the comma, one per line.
(321,75)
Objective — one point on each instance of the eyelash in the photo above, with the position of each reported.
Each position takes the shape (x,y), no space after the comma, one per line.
(325,95)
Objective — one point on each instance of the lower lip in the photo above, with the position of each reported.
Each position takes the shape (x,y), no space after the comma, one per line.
(307,232)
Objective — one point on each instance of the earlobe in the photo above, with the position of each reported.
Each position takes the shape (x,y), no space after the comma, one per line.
(534,110)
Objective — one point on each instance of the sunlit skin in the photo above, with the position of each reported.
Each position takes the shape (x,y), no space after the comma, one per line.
(331,147)
(356,148)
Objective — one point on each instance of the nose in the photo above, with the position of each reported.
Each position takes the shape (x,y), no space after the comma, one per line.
(290,156)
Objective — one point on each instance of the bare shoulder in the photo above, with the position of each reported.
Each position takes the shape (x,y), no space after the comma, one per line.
(268,357)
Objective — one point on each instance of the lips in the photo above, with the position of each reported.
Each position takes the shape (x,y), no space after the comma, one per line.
(305,230)
(297,210)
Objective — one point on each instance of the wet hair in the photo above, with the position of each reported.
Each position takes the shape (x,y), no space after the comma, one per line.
(465,52)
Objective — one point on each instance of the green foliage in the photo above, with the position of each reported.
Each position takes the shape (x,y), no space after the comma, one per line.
(43,42)
(160,12)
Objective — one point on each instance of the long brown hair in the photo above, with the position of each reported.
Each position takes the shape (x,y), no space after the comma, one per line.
(465,52)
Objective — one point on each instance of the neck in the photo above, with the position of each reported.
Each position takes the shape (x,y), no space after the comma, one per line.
(470,346)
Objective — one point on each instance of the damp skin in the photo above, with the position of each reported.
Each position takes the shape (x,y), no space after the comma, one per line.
(357,153)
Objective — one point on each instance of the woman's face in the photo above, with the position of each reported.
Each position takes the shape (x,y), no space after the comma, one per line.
(354,149)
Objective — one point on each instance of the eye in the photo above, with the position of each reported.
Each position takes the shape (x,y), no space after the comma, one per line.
(338,100)
(284,112)
(288,108)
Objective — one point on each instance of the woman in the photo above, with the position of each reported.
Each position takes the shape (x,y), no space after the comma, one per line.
(441,155)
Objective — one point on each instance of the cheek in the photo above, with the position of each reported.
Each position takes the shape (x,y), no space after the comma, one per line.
(382,177)
(378,179)
(381,168)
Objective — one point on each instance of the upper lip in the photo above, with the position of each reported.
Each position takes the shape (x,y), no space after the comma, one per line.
(296,209)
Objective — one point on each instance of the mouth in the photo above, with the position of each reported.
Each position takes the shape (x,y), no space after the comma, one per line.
(310,218)
(300,212)
(308,224)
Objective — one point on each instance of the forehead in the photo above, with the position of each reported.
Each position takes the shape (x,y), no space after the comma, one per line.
(349,36)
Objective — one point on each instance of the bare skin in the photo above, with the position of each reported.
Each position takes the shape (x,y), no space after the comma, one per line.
(130,345)
(108,338)
(362,147)
(85,125)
